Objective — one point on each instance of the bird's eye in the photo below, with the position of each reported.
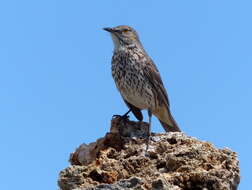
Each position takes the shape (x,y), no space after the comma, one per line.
(125,31)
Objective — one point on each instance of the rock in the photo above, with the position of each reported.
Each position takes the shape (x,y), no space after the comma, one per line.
(174,161)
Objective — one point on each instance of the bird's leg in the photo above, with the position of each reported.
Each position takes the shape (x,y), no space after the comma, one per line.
(148,130)
(124,116)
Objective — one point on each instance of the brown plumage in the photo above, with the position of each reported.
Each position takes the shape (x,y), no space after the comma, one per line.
(137,78)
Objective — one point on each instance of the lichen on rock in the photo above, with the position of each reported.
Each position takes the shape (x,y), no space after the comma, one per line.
(173,161)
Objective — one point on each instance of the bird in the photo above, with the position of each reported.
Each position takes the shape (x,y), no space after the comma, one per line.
(138,80)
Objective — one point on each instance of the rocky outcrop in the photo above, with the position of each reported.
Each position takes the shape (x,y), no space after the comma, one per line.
(173,161)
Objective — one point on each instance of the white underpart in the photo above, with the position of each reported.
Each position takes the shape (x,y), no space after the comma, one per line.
(117,44)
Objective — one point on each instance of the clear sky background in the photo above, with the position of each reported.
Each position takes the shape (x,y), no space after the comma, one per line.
(56,88)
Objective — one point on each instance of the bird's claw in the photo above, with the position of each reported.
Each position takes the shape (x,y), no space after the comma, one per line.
(124,117)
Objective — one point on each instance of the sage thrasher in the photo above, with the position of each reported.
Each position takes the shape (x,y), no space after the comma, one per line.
(137,78)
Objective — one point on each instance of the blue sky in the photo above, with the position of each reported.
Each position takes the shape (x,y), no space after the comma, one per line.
(56,89)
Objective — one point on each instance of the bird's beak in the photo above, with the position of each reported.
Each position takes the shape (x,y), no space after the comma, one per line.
(108,29)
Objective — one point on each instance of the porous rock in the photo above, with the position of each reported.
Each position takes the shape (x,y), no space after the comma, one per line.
(173,161)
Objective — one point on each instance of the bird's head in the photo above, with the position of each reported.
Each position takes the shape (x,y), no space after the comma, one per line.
(124,36)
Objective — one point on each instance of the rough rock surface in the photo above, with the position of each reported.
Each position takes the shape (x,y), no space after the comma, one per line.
(173,161)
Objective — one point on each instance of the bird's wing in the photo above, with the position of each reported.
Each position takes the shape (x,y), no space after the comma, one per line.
(136,111)
(153,76)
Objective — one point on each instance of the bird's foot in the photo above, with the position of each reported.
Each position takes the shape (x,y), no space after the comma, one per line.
(148,138)
(147,142)
(124,117)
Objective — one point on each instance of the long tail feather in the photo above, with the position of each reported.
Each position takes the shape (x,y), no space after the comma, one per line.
(168,122)
(170,128)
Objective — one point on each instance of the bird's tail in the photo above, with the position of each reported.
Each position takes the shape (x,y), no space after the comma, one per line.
(167,121)
(170,128)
